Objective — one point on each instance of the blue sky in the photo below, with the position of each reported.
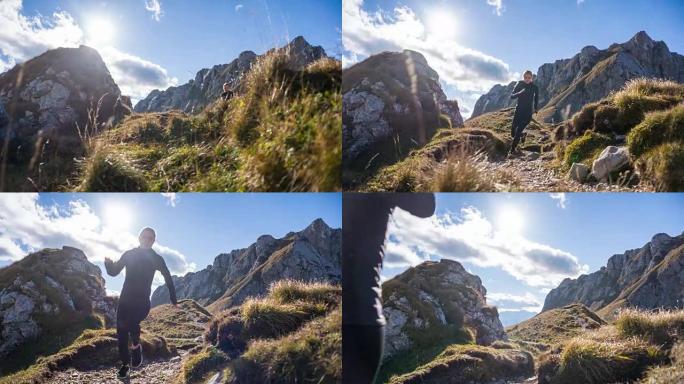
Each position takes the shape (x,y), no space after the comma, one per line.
(168,40)
(474,44)
(521,245)
(192,229)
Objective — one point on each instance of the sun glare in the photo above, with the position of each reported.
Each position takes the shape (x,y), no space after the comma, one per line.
(510,220)
(100,32)
(117,215)
(442,23)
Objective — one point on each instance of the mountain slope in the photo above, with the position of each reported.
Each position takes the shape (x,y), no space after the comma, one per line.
(555,325)
(312,254)
(207,85)
(649,277)
(567,85)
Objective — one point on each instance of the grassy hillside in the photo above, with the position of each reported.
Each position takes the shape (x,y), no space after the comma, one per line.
(638,346)
(449,162)
(556,325)
(471,364)
(293,334)
(91,348)
(651,115)
(280,133)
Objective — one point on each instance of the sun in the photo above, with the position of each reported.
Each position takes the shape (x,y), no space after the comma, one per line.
(442,23)
(510,220)
(117,215)
(100,32)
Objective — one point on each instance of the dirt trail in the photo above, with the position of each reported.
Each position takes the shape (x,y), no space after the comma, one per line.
(151,372)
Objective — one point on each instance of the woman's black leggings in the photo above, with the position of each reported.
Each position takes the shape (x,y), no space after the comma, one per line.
(362,347)
(128,318)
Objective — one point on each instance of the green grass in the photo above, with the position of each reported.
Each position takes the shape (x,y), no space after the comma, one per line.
(198,366)
(585,149)
(281,133)
(639,346)
(471,364)
(655,129)
(660,328)
(313,354)
(91,348)
(292,332)
(666,374)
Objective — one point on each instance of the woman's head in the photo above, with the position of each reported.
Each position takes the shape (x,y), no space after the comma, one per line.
(226,87)
(147,237)
(528,76)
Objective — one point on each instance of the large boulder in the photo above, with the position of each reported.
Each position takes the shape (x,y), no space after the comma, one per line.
(592,74)
(434,298)
(392,97)
(649,277)
(47,292)
(312,254)
(207,85)
(611,159)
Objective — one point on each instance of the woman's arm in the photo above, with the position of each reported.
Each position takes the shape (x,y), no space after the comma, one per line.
(114,268)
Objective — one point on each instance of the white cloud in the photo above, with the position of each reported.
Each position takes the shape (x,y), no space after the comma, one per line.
(28,226)
(498,6)
(23,37)
(239,7)
(371,32)
(469,237)
(561,197)
(507,302)
(171,198)
(154,7)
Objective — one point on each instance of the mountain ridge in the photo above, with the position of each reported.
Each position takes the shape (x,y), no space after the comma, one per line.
(567,84)
(311,254)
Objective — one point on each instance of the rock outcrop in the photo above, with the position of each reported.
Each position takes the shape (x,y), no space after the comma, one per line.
(207,85)
(568,84)
(310,255)
(389,96)
(436,296)
(649,277)
(47,292)
(51,94)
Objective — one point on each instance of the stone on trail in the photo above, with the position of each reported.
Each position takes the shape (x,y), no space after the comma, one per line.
(610,160)
(578,172)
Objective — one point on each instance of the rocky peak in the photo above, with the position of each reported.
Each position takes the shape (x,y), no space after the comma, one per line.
(436,297)
(312,254)
(46,290)
(388,97)
(648,277)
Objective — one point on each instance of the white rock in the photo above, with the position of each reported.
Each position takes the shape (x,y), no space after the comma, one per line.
(611,159)
(578,172)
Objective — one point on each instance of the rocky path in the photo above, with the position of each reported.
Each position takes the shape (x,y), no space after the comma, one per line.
(530,172)
(151,372)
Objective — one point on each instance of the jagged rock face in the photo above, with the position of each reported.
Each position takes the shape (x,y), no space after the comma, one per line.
(310,255)
(567,85)
(207,86)
(435,295)
(384,95)
(648,277)
(51,284)
(52,93)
